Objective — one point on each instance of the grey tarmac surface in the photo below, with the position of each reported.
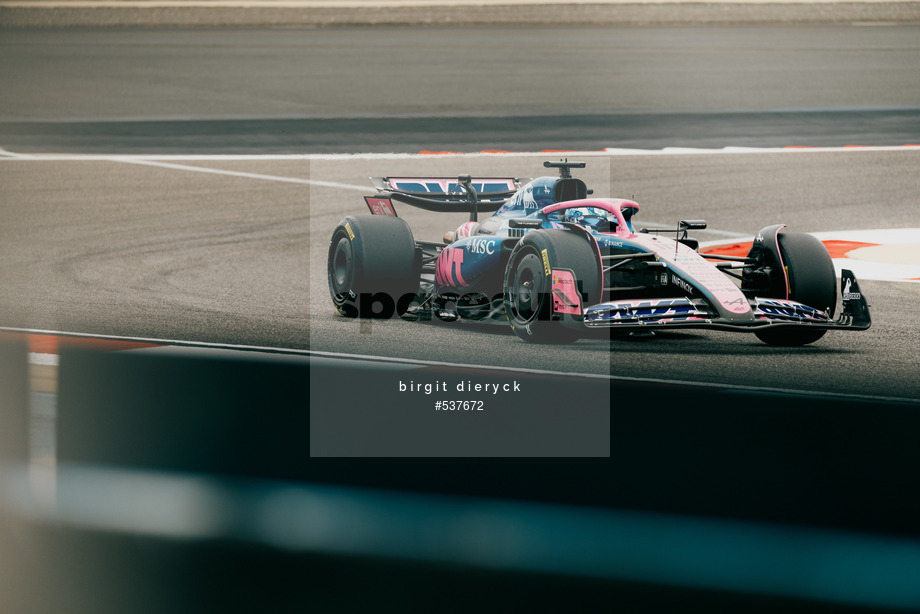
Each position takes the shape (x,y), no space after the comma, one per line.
(736,194)
(135,250)
(313,13)
(408,89)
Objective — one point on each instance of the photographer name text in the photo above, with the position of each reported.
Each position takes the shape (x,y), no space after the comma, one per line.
(465,386)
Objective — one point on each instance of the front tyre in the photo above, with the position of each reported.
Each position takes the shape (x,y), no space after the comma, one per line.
(528,284)
(372,266)
(811,280)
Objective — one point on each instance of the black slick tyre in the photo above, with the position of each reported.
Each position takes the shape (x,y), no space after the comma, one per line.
(372,267)
(528,285)
(812,281)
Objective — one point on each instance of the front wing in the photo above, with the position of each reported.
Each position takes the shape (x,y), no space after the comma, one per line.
(686,312)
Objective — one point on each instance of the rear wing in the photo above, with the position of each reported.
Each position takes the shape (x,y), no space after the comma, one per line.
(443,194)
(488,188)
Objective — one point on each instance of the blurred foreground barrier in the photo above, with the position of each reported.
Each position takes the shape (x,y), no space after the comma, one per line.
(14,401)
(265,415)
(805,459)
(238,414)
(185,484)
(138,541)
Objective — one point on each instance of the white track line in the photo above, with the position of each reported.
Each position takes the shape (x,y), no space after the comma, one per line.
(668,151)
(216,171)
(169,161)
(9,155)
(363,4)
(431,363)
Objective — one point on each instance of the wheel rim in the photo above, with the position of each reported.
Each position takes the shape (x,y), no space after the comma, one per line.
(526,288)
(340,266)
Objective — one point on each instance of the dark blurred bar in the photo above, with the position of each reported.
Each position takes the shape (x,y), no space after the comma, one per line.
(185,484)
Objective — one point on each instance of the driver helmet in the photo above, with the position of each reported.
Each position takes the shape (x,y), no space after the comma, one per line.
(592,217)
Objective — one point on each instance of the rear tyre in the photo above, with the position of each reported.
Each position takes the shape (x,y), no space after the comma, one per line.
(528,284)
(372,266)
(812,281)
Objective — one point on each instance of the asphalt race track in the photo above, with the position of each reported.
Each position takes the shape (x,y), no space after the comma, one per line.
(232,250)
(182,184)
(163,250)
(737,195)
(384,89)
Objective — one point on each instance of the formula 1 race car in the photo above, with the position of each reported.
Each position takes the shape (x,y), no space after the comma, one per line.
(554,263)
